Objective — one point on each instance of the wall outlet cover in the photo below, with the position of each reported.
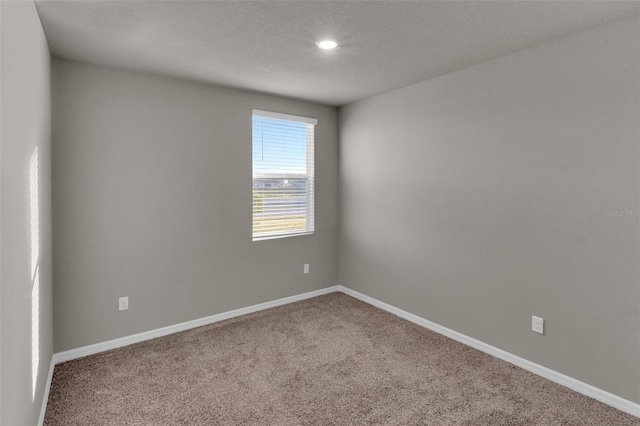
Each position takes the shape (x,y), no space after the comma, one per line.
(537,324)
(123,303)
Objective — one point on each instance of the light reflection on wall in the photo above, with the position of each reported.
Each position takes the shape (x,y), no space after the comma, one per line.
(35,270)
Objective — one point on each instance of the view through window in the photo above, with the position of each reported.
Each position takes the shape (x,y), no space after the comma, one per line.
(283,175)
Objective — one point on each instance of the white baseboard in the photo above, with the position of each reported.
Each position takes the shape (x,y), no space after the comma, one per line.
(159,332)
(569,382)
(47,387)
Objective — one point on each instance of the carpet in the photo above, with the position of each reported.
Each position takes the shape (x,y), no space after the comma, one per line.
(330,360)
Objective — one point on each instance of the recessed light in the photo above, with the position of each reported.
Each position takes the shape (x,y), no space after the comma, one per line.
(326,44)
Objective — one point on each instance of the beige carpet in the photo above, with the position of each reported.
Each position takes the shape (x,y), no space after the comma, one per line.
(331,360)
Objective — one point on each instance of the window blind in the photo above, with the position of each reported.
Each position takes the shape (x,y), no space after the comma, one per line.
(283,175)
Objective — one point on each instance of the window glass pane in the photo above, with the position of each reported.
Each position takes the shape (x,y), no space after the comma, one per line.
(282,177)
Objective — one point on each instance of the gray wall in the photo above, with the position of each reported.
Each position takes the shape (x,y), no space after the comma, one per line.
(478,199)
(152,200)
(25,302)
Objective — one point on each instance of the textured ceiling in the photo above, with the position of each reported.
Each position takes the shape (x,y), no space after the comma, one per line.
(268,46)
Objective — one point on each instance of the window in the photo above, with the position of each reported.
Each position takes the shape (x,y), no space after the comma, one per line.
(283,201)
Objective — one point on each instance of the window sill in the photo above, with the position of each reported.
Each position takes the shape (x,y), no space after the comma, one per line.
(278,236)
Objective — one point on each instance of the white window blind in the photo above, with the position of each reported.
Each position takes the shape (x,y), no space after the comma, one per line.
(283,176)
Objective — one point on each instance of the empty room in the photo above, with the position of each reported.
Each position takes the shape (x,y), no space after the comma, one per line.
(319,213)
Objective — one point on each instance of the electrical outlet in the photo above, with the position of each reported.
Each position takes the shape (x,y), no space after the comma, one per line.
(537,324)
(123,303)
(306,268)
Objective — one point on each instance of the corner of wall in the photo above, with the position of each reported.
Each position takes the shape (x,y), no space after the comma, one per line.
(26,333)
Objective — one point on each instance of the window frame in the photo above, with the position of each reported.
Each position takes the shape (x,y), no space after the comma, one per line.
(309,176)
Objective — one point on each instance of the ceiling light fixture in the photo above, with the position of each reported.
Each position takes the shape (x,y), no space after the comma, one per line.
(326,44)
